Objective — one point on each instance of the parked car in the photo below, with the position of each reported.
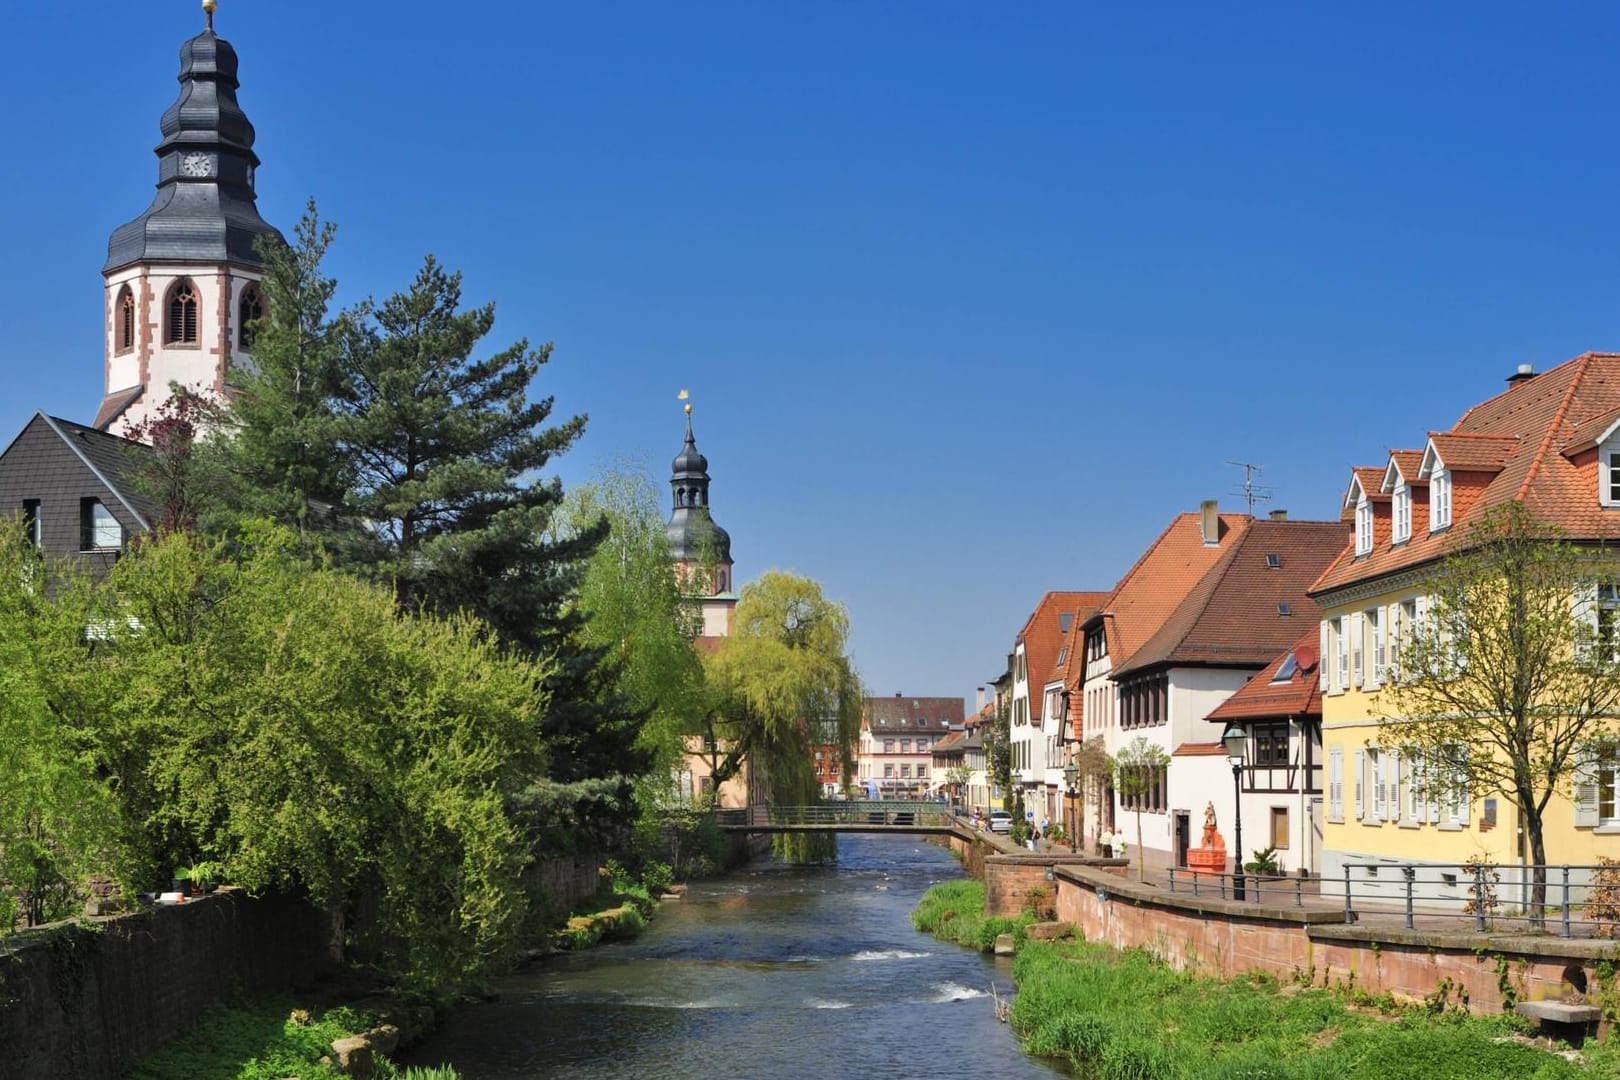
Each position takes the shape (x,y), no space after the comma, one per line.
(1000,821)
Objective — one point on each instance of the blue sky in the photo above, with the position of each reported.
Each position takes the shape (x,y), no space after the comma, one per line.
(971,299)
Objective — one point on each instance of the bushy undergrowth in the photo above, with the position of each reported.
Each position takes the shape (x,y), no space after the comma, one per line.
(264,1042)
(954,910)
(1128,1016)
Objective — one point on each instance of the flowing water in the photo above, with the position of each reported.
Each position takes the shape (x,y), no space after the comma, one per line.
(775,971)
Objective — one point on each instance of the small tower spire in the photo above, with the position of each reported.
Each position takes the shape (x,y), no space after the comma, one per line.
(208,10)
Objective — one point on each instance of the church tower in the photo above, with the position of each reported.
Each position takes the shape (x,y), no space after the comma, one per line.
(701,549)
(182,279)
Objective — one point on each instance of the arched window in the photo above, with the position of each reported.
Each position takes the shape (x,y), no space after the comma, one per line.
(248,311)
(180,327)
(124,328)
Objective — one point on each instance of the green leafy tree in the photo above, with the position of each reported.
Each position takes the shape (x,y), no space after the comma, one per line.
(784,668)
(1512,678)
(59,819)
(1139,770)
(635,612)
(284,721)
(1093,768)
(957,776)
(998,752)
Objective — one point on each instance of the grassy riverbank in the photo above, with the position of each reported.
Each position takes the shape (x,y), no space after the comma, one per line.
(1128,1016)
(273,1040)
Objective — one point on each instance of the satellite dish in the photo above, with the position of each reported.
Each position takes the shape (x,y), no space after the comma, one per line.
(1305,657)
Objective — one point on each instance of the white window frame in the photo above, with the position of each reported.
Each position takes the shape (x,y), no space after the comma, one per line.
(1400,530)
(1364,525)
(1439,499)
(1609,472)
(1359,780)
(1376,766)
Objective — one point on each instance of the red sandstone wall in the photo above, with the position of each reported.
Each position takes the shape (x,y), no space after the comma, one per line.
(1225,945)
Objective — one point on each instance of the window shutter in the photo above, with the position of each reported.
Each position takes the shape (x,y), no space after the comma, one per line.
(1394,784)
(1322,660)
(1586,790)
(1392,635)
(1377,624)
(1360,779)
(1431,798)
(1358,655)
(1379,784)
(1336,784)
(1586,620)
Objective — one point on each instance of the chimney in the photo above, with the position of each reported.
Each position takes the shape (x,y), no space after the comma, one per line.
(898,694)
(978,700)
(1210,521)
(1278,515)
(1525,373)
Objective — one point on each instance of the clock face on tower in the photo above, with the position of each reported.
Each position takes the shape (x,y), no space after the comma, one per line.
(197,165)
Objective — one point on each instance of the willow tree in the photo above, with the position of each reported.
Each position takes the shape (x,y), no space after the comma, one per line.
(781,681)
(1507,683)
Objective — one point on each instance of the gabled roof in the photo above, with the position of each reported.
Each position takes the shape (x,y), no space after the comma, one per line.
(1043,635)
(109,458)
(1231,614)
(1523,444)
(1267,697)
(1406,464)
(1155,585)
(1368,481)
(1469,452)
(115,404)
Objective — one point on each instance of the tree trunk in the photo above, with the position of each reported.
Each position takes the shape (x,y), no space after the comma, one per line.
(1141,866)
(1538,871)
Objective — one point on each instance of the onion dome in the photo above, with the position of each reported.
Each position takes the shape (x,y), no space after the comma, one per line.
(205,208)
(693,535)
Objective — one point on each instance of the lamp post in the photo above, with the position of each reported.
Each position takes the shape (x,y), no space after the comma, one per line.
(1071,777)
(1236,741)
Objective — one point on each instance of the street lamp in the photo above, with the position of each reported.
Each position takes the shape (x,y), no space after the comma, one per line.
(1236,741)
(1071,776)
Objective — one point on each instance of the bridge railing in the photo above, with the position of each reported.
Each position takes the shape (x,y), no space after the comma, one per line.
(836,814)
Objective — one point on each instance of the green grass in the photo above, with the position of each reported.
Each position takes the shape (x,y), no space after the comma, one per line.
(954,911)
(1129,1016)
(262,1042)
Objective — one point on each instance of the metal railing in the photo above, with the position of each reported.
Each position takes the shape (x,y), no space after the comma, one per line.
(1580,900)
(836,814)
(1255,888)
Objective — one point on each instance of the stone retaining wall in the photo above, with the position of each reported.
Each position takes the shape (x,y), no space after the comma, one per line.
(87,1002)
(1226,938)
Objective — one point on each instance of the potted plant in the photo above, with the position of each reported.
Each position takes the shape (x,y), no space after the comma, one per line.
(1264,864)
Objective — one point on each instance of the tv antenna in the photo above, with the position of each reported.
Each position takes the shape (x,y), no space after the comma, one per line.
(1251,491)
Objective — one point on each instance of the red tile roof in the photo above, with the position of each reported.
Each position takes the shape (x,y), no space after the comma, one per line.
(1043,636)
(1152,589)
(1263,697)
(1231,614)
(912,713)
(1532,442)
(1199,749)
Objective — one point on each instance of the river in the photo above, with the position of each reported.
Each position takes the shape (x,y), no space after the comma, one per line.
(775,971)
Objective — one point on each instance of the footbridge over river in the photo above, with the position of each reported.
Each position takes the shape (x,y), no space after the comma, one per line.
(881,816)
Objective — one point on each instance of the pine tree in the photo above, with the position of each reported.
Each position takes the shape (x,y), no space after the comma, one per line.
(279,437)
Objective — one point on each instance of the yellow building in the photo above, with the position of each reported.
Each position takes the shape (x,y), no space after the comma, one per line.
(1552,442)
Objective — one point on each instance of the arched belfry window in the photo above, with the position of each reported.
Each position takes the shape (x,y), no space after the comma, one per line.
(249,310)
(124,314)
(180,322)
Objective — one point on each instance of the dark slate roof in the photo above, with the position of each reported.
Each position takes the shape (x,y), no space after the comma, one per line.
(909,714)
(111,458)
(210,218)
(692,531)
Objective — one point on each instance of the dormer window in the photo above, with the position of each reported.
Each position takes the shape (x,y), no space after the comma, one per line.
(1364,525)
(1439,500)
(1609,471)
(1401,514)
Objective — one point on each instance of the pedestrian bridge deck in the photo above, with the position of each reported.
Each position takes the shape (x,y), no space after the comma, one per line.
(870,817)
